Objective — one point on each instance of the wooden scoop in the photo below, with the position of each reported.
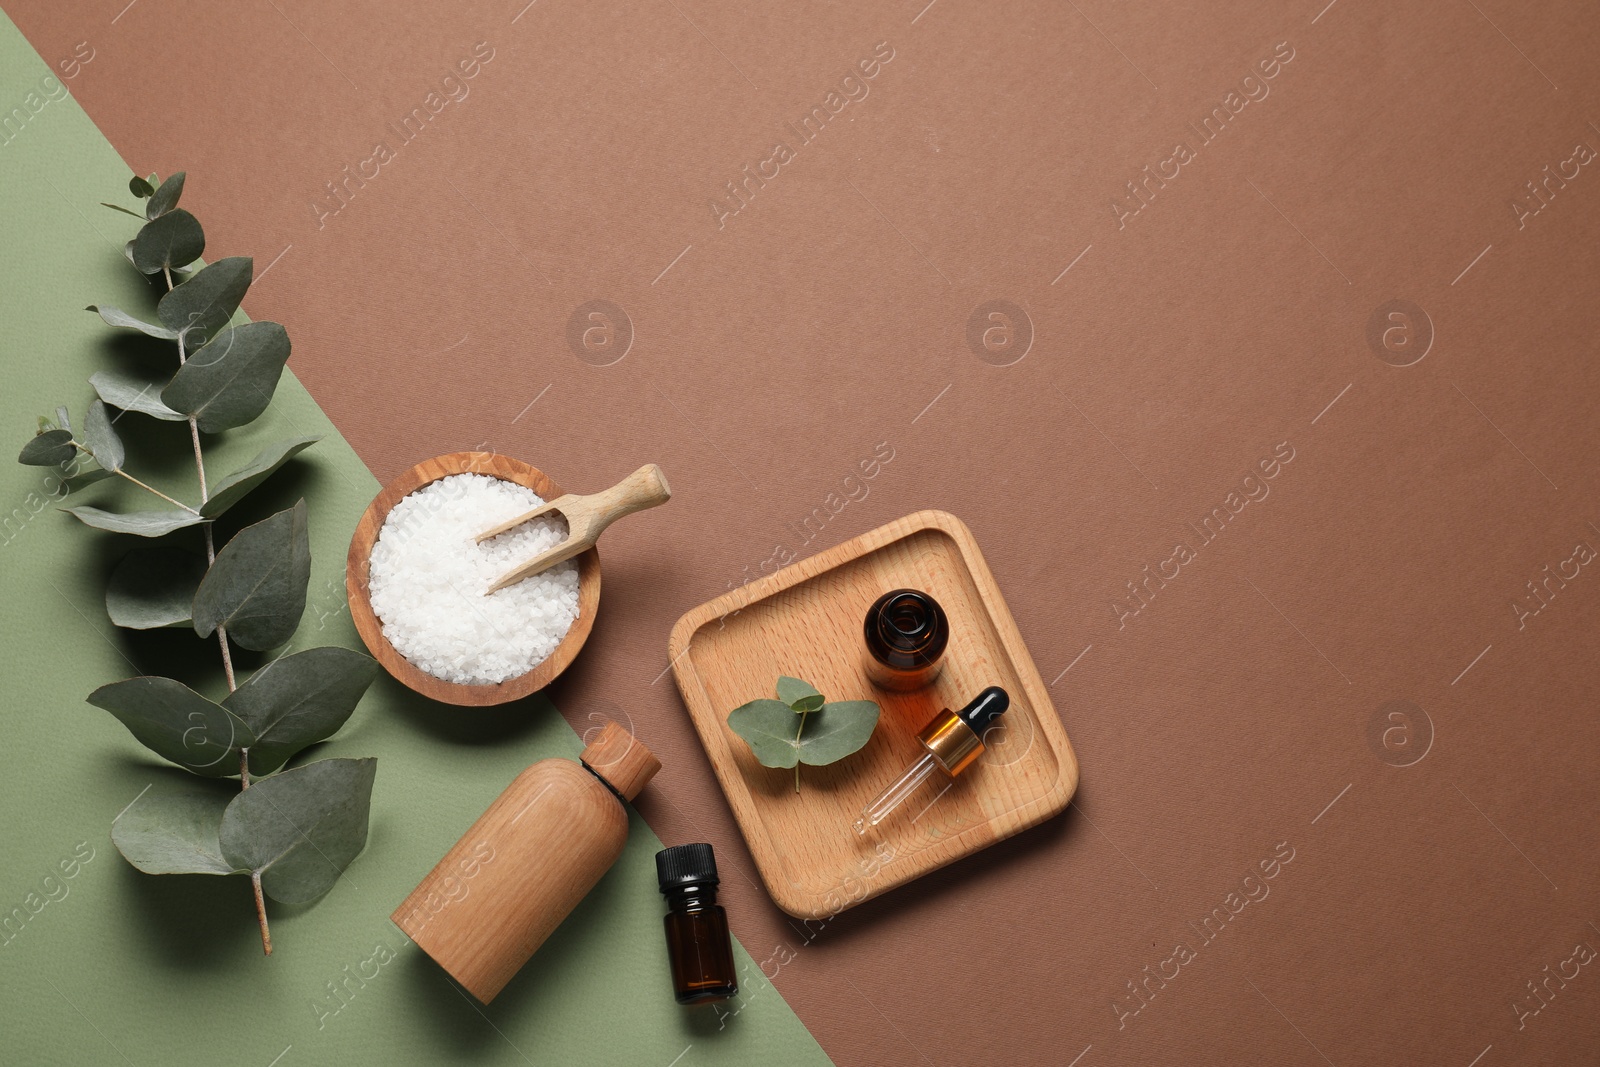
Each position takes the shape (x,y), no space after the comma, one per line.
(587,517)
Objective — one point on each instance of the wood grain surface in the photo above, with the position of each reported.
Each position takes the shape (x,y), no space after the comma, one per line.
(806,621)
(368,625)
(515,875)
(587,517)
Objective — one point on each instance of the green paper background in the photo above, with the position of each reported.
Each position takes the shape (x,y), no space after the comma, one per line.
(117,966)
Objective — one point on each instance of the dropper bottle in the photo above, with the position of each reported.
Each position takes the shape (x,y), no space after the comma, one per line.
(953,741)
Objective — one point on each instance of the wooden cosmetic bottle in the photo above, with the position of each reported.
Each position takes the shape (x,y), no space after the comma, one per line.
(524,865)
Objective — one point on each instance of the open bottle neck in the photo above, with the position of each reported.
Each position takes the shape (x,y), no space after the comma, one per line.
(906,629)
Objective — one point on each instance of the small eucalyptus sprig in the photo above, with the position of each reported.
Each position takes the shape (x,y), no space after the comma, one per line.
(775,730)
(292,831)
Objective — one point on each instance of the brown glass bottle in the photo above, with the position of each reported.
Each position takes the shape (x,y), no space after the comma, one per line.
(699,946)
(906,632)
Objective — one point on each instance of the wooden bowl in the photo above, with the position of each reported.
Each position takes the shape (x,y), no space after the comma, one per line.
(371,630)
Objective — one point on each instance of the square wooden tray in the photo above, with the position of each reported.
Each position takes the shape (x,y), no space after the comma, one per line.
(806,621)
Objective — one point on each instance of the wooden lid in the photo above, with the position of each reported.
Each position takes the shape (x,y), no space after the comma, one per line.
(620,758)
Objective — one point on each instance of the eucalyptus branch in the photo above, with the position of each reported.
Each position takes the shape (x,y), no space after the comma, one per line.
(222,631)
(251,593)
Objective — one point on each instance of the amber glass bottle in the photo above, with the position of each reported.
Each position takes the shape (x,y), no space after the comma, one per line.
(906,632)
(698,943)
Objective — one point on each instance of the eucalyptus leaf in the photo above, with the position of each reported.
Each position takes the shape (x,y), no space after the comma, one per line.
(173,240)
(237,485)
(63,418)
(298,830)
(127,253)
(174,834)
(840,728)
(298,700)
(165,198)
(47,449)
(257,585)
(799,727)
(101,438)
(154,587)
(768,727)
(799,695)
(201,306)
(124,210)
(231,380)
(115,316)
(141,187)
(132,391)
(84,479)
(142,523)
(178,724)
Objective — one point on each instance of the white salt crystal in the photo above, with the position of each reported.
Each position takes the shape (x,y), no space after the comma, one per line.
(428,577)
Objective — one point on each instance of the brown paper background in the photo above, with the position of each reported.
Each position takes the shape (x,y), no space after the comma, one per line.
(829,314)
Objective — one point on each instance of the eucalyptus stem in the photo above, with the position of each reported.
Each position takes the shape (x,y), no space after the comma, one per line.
(222,633)
(798,731)
(261,913)
(211,547)
(199,464)
(157,492)
(227,657)
(81,447)
(211,557)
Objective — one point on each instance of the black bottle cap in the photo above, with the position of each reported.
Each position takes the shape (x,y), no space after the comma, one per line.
(683,865)
(985,708)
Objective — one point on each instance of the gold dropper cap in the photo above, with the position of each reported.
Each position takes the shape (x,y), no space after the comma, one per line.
(952,742)
(955,738)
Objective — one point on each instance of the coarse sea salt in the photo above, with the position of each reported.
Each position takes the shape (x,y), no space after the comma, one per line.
(427,581)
